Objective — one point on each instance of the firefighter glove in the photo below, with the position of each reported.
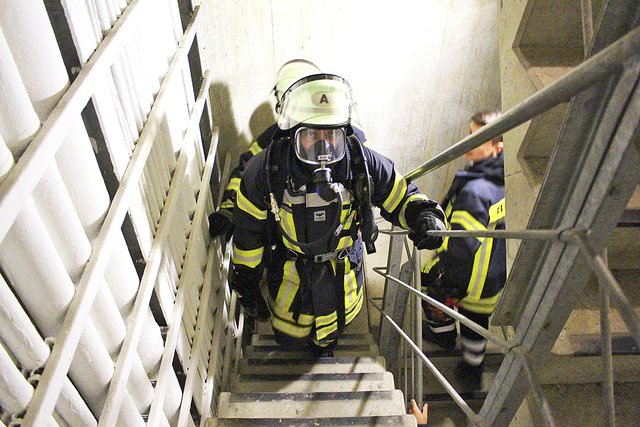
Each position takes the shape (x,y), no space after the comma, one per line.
(427,220)
(220,224)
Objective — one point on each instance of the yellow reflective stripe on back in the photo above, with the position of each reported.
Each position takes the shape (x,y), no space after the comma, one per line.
(497,211)
(250,258)
(234,184)
(255,148)
(397,193)
(480,270)
(248,207)
(467,221)
(419,196)
(484,305)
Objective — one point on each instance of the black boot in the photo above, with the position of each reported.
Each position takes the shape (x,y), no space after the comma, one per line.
(446,339)
(469,376)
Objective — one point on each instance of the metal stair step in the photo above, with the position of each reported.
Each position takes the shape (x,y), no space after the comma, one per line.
(322,365)
(311,405)
(276,352)
(312,383)
(376,421)
(350,339)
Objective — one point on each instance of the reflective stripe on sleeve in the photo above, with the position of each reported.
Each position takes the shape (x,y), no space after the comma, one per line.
(248,207)
(397,193)
(250,258)
(255,148)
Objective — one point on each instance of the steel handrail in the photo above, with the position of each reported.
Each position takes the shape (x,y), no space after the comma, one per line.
(598,67)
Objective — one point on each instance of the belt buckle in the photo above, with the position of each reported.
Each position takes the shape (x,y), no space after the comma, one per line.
(323,257)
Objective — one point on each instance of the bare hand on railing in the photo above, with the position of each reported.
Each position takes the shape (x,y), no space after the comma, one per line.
(421,417)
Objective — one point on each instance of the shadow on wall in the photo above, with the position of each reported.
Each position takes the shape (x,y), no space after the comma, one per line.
(261,119)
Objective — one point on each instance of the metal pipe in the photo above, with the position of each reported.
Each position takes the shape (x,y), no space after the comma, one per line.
(15,391)
(198,342)
(65,346)
(417,280)
(598,67)
(607,357)
(195,238)
(452,392)
(499,234)
(605,278)
(587,24)
(47,142)
(505,345)
(541,402)
(23,340)
(226,364)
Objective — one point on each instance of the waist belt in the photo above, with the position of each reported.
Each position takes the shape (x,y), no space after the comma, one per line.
(320,258)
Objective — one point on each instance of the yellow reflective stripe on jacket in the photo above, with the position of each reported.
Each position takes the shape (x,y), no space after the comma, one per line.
(288,225)
(255,148)
(397,193)
(414,197)
(248,207)
(497,212)
(251,258)
(353,313)
(483,305)
(326,325)
(291,329)
(227,204)
(428,266)
(467,221)
(482,257)
(289,286)
(480,269)
(234,185)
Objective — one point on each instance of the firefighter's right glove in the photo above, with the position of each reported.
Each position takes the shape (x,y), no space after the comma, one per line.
(427,220)
(220,224)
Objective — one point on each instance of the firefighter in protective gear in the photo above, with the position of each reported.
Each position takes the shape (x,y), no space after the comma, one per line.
(299,210)
(220,222)
(470,272)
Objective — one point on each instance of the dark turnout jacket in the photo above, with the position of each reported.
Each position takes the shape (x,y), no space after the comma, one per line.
(473,268)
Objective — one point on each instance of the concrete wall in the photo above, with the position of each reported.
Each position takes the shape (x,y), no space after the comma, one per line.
(419,68)
(516,86)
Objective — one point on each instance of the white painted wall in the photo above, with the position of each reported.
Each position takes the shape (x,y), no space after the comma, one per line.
(418,68)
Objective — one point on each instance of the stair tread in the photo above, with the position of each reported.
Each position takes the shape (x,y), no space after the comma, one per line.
(314,382)
(355,338)
(321,365)
(372,421)
(311,405)
(276,352)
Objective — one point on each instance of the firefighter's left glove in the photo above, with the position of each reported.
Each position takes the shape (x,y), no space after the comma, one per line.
(427,220)
(221,224)
(246,284)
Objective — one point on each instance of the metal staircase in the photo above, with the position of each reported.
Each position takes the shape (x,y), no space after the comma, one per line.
(280,387)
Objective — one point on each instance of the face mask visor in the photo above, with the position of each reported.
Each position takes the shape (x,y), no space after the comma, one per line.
(318,146)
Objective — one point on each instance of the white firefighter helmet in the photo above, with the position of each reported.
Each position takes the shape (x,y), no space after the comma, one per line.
(318,100)
(289,73)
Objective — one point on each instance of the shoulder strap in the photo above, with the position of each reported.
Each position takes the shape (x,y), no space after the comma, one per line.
(362,190)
